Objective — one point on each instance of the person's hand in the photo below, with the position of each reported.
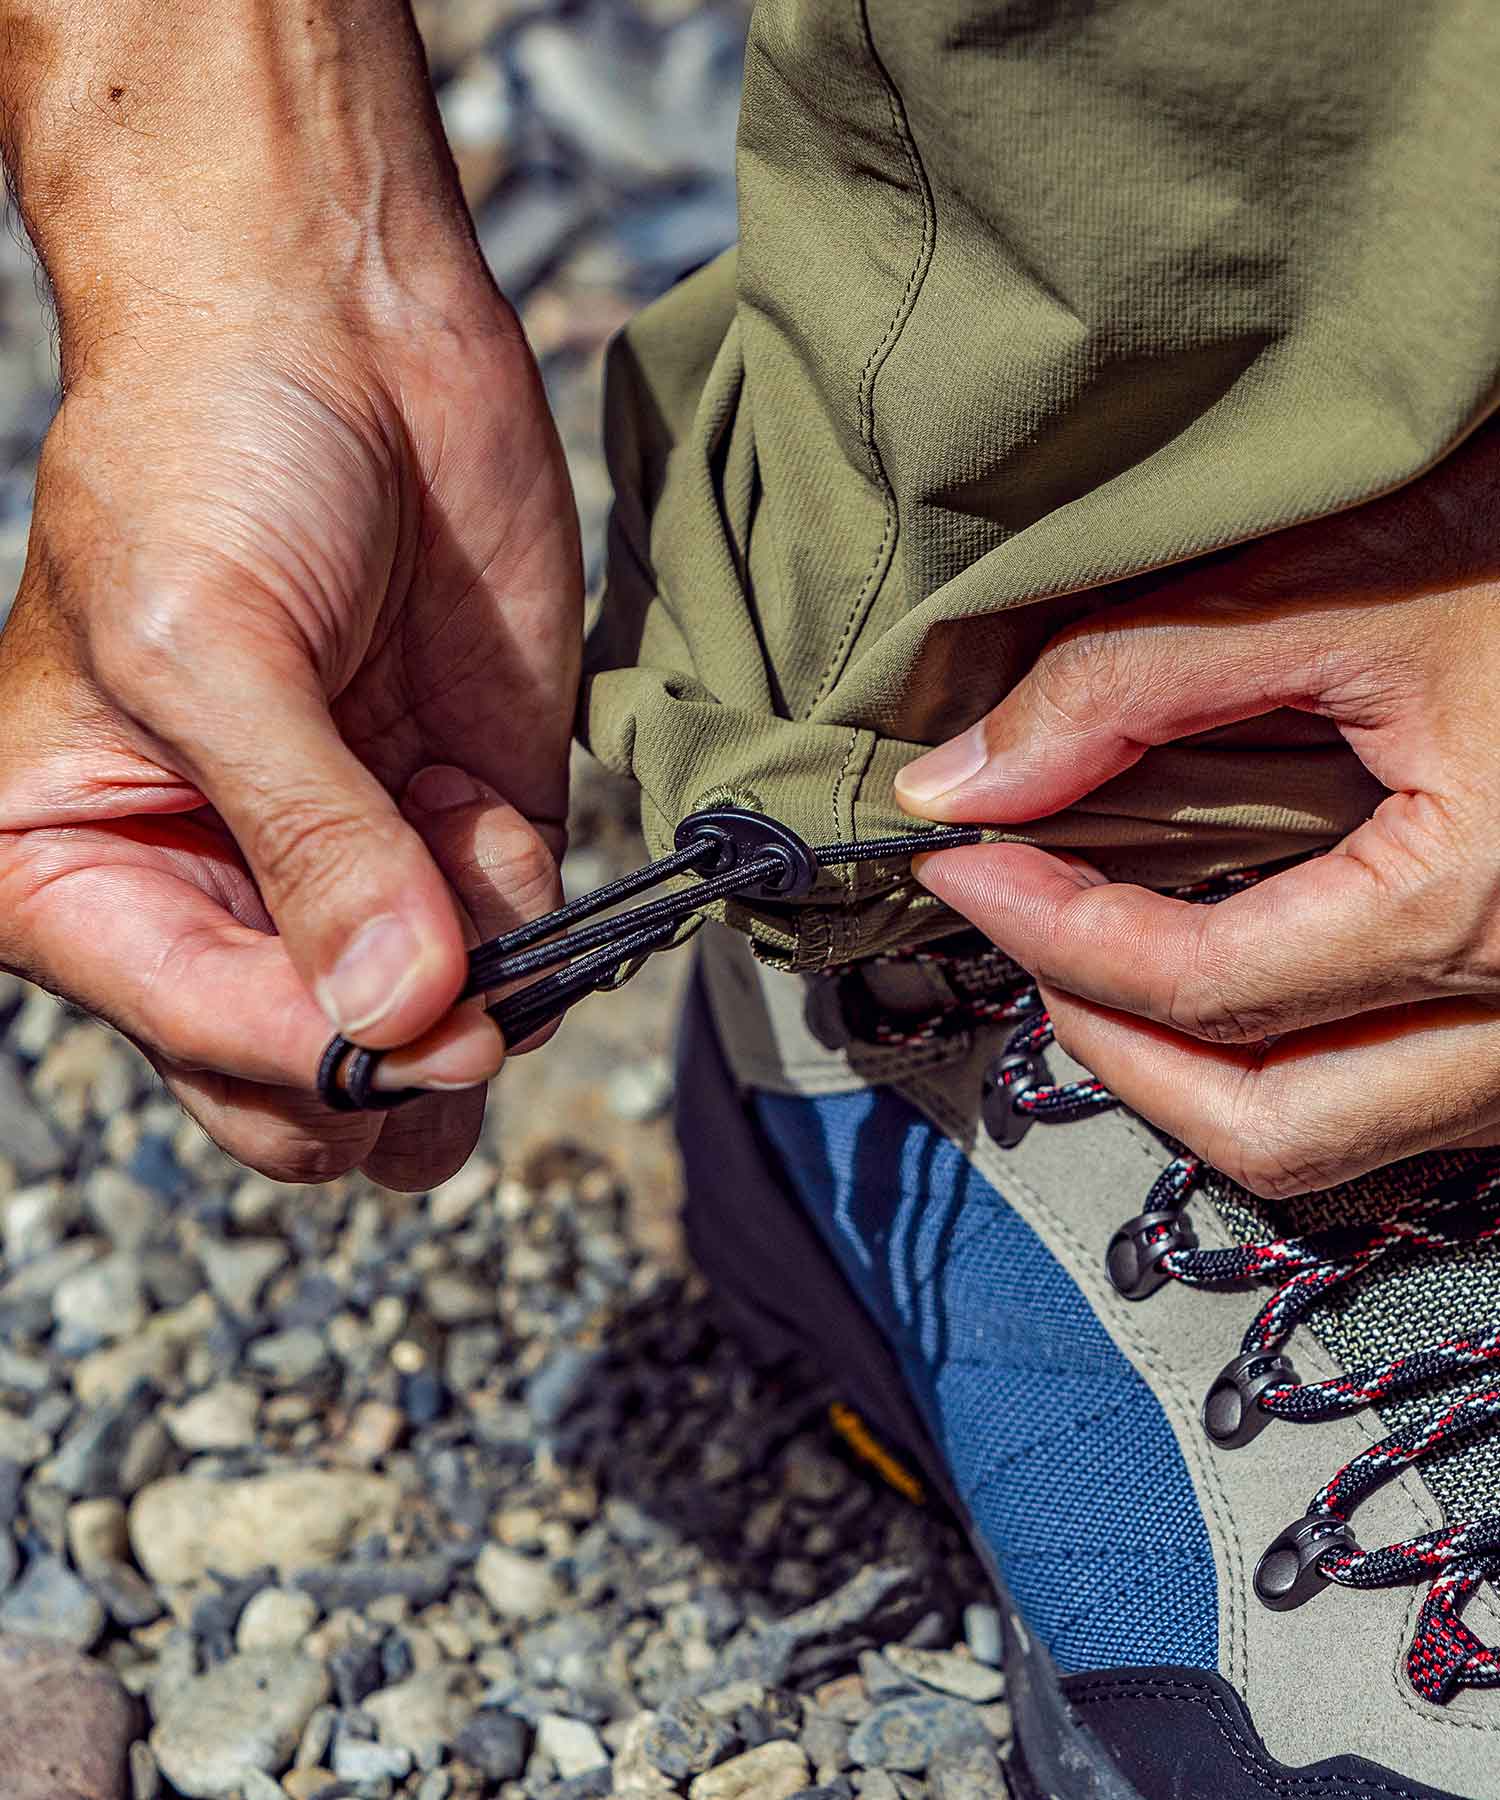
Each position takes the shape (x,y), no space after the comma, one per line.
(1342,1014)
(272,577)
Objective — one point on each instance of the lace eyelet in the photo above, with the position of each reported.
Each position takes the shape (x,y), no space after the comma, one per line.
(1005,1080)
(1232,1413)
(1290,1571)
(1135,1253)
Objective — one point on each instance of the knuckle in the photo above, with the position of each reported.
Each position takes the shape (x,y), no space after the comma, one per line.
(1077,678)
(302,843)
(135,646)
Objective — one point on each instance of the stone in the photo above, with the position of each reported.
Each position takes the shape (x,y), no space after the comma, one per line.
(128,1214)
(826,1741)
(220,1418)
(49,1601)
(237,1270)
(572,1744)
(155,1354)
(516,1586)
(358,1760)
(184,1526)
(812,1474)
(275,1619)
(145,1777)
(454,1299)
(426,1712)
(452,1201)
(307,1784)
(124,1593)
(37,1219)
(102,1302)
(290,1357)
(772,1771)
(636,1776)
(255,1786)
(20,1441)
(374,1430)
(39,1279)
(949,1672)
(90,1463)
(96,1532)
(495,1742)
(686,1738)
(31,1145)
(247,1713)
(983,1634)
(907,1733)
(66,1724)
(418,1579)
(973,1774)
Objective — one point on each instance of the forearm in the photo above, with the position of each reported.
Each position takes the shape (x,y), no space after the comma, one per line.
(199,158)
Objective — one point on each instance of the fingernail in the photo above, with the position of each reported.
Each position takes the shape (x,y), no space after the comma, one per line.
(442,787)
(372,975)
(470,1054)
(941,770)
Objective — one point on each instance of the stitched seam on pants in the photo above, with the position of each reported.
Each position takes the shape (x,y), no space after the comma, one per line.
(877,359)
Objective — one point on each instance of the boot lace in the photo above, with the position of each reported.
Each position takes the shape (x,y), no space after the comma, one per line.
(1260,1383)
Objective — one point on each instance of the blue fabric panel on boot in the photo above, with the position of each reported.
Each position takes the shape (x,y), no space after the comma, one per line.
(1059,1449)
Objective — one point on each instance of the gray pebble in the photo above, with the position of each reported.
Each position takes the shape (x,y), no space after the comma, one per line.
(494,1742)
(49,1601)
(983,1635)
(357,1759)
(906,1734)
(685,1739)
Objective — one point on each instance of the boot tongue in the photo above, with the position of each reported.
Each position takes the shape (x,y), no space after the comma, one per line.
(1407,1301)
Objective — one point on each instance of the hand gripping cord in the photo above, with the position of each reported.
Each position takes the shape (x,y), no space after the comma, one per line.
(736,854)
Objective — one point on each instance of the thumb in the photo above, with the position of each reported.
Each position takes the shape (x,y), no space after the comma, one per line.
(367,919)
(1107,690)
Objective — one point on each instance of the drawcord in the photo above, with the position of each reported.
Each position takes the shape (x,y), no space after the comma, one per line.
(736,854)
(1260,1384)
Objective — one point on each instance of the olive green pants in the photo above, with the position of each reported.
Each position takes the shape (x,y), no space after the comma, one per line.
(1032,297)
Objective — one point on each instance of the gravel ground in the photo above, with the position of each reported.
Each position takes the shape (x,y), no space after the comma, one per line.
(339,1492)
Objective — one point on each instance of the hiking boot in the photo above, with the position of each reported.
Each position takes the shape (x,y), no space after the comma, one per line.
(1226,1459)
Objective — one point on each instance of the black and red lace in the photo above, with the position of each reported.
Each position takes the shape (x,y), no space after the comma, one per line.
(1260,1385)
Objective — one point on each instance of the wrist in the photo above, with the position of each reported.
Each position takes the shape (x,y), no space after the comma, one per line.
(195,165)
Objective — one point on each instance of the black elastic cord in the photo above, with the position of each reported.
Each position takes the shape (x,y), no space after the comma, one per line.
(597,954)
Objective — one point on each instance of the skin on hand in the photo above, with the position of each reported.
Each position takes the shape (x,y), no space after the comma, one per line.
(1344,1013)
(286,694)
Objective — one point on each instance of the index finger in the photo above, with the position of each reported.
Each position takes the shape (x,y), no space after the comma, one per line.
(1371,923)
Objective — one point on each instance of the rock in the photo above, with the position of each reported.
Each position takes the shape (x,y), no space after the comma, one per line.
(49,1601)
(39,1279)
(453,1299)
(20,1441)
(983,1635)
(220,1418)
(949,1672)
(811,1473)
(773,1771)
(275,1619)
(495,1742)
(419,1579)
(96,1532)
(247,1713)
(776,1714)
(640,1091)
(426,1712)
(686,1739)
(881,1600)
(826,1741)
(374,1430)
(145,1777)
(155,1355)
(37,1219)
(124,1593)
(255,1786)
(307,1784)
(65,1724)
(128,1214)
(905,1734)
(239,1269)
(516,1586)
(358,1760)
(573,1745)
(561,1382)
(30,1142)
(452,1201)
(184,1526)
(90,1463)
(290,1357)
(973,1774)
(102,1302)
(636,1776)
